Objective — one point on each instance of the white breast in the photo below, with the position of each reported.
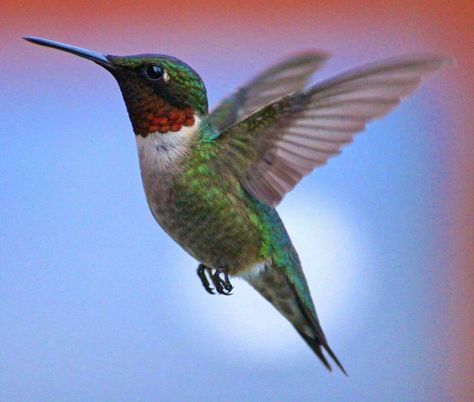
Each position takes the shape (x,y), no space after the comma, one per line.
(163,152)
(161,158)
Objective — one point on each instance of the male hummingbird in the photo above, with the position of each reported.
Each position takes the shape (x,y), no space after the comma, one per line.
(213,180)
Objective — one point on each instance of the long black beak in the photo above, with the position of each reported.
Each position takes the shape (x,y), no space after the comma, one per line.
(87,54)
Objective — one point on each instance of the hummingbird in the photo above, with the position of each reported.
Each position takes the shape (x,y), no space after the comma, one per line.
(212,180)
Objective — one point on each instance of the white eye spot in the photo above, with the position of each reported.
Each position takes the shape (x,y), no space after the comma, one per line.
(166,76)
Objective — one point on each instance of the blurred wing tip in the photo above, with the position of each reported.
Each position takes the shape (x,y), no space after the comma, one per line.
(432,61)
(436,61)
(433,58)
(316,54)
(315,57)
(446,61)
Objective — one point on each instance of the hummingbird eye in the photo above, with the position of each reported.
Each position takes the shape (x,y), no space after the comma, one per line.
(155,72)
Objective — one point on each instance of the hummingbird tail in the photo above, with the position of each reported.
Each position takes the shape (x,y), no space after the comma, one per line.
(273,284)
(317,343)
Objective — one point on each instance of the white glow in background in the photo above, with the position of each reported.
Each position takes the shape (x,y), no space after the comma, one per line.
(334,254)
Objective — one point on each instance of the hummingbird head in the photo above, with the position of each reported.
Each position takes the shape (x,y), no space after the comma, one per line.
(162,93)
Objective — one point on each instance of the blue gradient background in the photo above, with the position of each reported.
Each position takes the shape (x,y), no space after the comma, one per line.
(98,304)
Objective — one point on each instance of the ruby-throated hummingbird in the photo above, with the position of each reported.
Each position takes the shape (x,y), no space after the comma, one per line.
(213,180)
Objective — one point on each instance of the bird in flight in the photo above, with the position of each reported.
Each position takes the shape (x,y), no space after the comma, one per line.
(213,179)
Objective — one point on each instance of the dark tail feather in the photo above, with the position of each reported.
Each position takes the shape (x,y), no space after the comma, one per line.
(317,346)
(336,360)
(318,342)
(274,285)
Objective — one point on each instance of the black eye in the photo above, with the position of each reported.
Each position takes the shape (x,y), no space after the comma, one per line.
(155,72)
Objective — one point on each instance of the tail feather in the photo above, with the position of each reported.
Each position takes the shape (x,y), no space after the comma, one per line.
(316,347)
(273,284)
(318,342)
(336,360)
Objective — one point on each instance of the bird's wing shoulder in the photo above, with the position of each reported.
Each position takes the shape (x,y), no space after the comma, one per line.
(272,149)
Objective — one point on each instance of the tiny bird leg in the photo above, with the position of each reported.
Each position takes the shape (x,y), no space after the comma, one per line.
(221,281)
(201,272)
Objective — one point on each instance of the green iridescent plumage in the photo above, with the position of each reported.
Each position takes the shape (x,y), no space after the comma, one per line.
(184,85)
(212,180)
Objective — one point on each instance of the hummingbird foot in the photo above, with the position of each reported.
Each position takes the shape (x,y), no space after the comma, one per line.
(201,272)
(220,279)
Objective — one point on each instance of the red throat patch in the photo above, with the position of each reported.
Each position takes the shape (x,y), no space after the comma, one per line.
(158,116)
(149,112)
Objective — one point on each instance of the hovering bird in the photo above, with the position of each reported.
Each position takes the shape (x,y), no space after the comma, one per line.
(213,180)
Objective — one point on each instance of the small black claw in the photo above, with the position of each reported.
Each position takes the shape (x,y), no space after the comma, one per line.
(227,285)
(201,271)
(223,285)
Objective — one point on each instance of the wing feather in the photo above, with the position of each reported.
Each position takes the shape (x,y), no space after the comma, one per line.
(286,77)
(285,140)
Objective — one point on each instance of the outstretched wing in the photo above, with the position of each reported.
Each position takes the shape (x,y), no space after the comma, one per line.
(275,147)
(283,78)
